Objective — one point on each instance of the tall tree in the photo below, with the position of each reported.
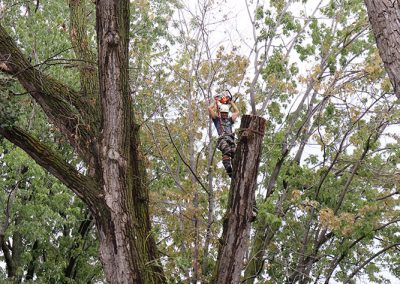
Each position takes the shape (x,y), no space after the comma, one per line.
(99,123)
(327,186)
(181,149)
(46,234)
(297,239)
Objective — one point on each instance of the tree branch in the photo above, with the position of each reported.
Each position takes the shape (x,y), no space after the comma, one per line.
(80,184)
(7,256)
(182,158)
(56,99)
(35,253)
(362,265)
(81,45)
(335,262)
(10,201)
(384,18)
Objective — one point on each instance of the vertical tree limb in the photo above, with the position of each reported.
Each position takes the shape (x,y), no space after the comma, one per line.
(236,225)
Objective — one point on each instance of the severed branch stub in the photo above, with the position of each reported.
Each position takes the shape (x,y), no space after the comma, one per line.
(236,224)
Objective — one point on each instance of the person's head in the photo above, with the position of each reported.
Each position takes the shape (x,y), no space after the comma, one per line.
(224,110)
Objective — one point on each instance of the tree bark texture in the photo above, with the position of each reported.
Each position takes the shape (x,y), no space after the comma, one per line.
(384,16)
(120,261)
(236,225)
(126,245)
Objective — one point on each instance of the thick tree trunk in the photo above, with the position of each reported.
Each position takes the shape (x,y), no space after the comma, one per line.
(126,246)
(115,189)
(238,216)
(120,261)
(384,16)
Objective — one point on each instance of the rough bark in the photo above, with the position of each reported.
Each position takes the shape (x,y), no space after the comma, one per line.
(125,251)
(384,16)
(81,185)
(120,262)
(236,227)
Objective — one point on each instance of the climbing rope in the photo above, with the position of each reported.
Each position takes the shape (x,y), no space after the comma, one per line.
(251,130)
(221,128)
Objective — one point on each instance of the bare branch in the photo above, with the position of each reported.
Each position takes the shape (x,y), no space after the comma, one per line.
(183,160)
(387,196)
(366,262)
(167,165)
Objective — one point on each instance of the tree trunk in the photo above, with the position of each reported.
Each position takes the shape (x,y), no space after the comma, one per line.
(236,225)
(126,246)
(30,273)
(384,16)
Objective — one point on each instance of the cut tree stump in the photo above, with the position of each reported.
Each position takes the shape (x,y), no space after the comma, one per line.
(236,224)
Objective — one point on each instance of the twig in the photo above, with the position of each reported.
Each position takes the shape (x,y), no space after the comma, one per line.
(181,157)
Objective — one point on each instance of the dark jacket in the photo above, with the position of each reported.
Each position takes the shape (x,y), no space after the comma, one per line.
(226,128)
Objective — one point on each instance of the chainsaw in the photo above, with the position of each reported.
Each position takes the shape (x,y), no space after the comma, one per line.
(224,98)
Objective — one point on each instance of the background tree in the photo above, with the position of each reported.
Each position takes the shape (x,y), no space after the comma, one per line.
(114,185)
(336,44)
(46,233)
(183,149)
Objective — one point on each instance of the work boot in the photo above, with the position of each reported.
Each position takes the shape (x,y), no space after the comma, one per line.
(226,161)
(229,171)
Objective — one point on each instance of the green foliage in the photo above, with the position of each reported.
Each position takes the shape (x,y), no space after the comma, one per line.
(43,220)
(336,188)
(8,113)
(321,87)
(47,44)
(44,216)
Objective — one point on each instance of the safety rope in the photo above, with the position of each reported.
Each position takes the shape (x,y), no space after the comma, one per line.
(221,128)
(252,130)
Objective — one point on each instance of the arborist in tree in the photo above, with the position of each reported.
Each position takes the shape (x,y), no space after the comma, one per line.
(219,113)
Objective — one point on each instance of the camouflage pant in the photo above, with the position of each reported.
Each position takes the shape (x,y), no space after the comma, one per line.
(226,144)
